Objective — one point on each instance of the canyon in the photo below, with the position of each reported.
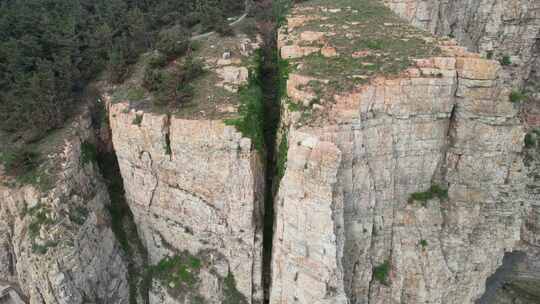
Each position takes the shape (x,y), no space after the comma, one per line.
(404,168)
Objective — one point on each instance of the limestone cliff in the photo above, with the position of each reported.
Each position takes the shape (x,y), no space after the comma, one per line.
(57,246)
(407,188)
(496,27)
(195,186)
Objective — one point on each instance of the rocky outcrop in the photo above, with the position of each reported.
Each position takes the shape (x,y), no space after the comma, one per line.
(496,27)
(362,213)
(57,244)
(193,186)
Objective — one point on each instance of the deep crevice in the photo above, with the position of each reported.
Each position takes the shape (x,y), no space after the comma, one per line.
(122,221)
(270,77)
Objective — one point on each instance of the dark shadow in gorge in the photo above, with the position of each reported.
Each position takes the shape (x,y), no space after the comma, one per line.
(122,222)
(501,277)
(269,75)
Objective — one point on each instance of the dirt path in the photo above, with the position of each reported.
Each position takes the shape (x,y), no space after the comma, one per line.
(201,36)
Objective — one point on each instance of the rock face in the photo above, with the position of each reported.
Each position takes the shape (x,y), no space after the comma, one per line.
(347,227)
(57,246)
(501,27)
(194,186)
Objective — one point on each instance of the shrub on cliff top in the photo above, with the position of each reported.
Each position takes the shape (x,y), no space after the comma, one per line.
(173,41)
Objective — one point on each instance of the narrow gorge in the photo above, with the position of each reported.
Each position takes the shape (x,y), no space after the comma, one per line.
(345,151)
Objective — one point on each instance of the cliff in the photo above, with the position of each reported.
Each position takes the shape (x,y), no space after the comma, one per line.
(57,243)
(406,168)
(494,27)
(195,184)
(408,187)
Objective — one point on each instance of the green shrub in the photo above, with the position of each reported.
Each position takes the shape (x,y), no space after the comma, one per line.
(117,66)
(530,140)
(39,217)
(505,60)
(78,215)
(88,153)
(281,163)
(179,270)
(42,249)
(173,42)
(174,87)
(380,272)
(489,54)
(423,243)
(137,120)
(20,161)
(433,191)
(157,60)
(128,94)
(517,96)
(152,79)
(251,111)
(375,44)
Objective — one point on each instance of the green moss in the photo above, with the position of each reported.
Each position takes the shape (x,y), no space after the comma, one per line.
(381,272)
(432,192)
(517,96)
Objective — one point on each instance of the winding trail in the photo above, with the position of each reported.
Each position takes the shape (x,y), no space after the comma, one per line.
(202,36)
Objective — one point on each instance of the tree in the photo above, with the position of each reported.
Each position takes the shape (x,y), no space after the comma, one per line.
(117,66)
(173,41)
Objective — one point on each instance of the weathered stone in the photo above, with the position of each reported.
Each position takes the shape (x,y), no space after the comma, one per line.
(76,258)
(193,185)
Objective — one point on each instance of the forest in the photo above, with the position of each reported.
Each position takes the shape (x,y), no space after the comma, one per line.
(51,49)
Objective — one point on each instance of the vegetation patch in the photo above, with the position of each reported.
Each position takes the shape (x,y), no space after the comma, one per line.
(506,60)
(281,163)
(251,111)
(517,96)
(423,243)
(432,192)
(370,40)
(179,274)
(79,215)
(381,272)
(137,120)
(532,138)
(39,217)
(128,94)
(88,153)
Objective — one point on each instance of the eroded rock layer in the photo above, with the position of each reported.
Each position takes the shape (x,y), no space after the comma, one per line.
(362,215)
(57,246)
(496,27)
